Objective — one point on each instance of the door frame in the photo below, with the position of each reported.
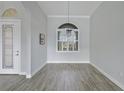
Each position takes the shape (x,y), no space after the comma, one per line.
(18,21)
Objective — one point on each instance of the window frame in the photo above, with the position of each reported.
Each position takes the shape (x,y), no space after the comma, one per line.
(57,30)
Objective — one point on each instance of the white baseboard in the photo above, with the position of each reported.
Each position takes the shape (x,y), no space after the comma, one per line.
(29,76)
(38,69)
(22,73)
(68,61)
(109,76)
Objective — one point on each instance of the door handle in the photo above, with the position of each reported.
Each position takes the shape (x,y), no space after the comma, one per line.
(17,53)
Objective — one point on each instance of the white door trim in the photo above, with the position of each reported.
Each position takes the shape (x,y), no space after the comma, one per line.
(16,21)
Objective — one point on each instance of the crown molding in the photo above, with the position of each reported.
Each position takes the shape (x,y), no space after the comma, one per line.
(68,62)
(59,16)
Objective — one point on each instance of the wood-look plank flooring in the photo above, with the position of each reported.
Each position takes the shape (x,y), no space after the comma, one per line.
(60,77)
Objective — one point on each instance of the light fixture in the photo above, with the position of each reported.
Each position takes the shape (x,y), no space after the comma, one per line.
(68,30)
(68,16)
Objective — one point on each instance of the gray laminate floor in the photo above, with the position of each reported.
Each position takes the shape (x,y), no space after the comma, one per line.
(60,77)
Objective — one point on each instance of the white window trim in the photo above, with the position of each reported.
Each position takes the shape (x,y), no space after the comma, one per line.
(67,51)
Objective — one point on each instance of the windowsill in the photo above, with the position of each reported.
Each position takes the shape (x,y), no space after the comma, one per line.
(66,51)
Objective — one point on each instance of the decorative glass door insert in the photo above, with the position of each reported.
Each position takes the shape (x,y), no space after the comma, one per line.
(10,46)
(7,46)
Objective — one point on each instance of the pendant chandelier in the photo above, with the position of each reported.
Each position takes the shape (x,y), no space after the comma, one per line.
(68,31)
(68,14)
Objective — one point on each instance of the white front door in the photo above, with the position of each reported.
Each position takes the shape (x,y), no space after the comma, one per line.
(10,46)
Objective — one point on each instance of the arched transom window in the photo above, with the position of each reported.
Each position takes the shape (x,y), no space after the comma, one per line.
(67,38)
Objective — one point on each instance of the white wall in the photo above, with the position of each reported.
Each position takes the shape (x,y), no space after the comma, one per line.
(38,25)
(107,39)
(24,16)
(83,24)
(34,21)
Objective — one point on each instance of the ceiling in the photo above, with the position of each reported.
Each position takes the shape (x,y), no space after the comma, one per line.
(77,8)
